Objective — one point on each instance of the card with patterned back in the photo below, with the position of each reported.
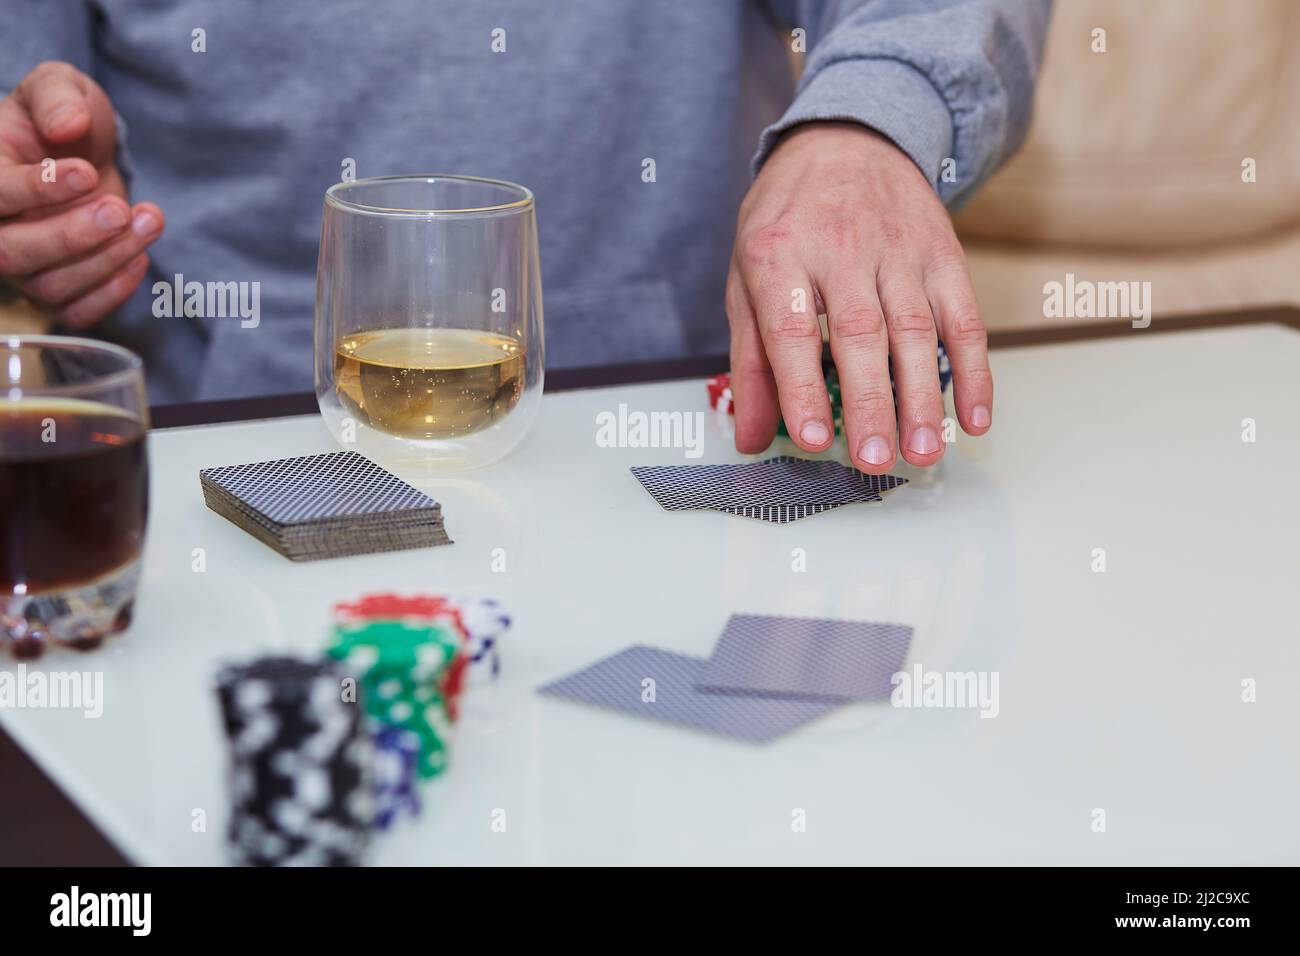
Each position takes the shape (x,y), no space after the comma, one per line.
(812,658)
(334,486)
(778,514)
(660,685)
(781,482)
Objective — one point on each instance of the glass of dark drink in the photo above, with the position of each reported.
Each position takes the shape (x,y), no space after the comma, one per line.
(74,490)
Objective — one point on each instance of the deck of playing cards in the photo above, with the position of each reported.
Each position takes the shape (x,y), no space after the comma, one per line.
(768,675)
(324,506)
(779,490)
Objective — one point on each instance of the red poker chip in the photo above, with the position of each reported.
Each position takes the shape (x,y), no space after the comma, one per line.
(720,393)
(453,682)
(372,607)
(421,608)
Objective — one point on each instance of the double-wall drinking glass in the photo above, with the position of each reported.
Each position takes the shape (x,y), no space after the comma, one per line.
(429,349)
(74,489)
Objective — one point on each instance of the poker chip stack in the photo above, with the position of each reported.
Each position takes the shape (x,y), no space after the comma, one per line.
(408,669)
(481,623)
(298,764)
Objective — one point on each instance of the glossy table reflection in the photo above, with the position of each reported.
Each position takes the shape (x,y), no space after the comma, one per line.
(1119,690)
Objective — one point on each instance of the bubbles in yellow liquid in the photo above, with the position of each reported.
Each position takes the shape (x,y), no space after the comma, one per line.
(429,383)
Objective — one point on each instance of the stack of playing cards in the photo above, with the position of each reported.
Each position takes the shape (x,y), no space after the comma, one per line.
(778,490)
(767,676)
(324,506)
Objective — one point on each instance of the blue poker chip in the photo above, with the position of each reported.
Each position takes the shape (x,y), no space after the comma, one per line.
(393,775)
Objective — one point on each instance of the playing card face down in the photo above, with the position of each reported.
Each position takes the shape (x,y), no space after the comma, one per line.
(808,658)
(620,682)
(338,485)
(779,514)
(324,506)
(779,490)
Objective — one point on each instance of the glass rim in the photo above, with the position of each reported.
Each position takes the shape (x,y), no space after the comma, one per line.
(524,201)
(131,373)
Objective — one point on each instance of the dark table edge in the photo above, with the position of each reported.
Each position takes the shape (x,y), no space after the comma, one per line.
(92,847)
(562,380)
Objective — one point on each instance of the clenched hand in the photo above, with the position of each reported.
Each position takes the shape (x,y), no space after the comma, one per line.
(72,243)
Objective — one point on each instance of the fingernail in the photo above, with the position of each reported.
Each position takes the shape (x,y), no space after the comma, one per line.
(60,117)
(875,451)
(979,416)
(110,217)
(78,181)
(814,433)
(144,224)
(924,441)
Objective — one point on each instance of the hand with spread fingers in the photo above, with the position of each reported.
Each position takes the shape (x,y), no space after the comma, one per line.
(841,221)
(70,240)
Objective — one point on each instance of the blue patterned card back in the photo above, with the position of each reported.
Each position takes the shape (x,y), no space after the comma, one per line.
(660,685)
(807,657)
(313,488)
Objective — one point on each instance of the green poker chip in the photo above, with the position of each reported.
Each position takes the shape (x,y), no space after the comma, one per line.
(400,667)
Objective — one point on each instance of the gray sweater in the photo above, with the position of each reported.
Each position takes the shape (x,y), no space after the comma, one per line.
(238,144)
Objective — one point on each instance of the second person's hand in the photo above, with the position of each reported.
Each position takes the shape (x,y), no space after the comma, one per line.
(73,243)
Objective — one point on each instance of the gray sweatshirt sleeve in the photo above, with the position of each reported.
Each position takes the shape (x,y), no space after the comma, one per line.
(943,79)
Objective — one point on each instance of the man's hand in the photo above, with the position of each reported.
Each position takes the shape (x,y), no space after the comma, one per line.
(842,214)
(73,245)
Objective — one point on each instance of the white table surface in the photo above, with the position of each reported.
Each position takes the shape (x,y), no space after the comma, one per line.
(1119,690)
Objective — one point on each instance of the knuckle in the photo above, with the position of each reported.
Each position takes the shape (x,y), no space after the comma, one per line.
(762,245)
(50,71)
(47,289)
(911,322)
(947,270)
(943,251)
(35,187)
(976,377)
(838,229)
(968,327)
(859,324)
(67,235)
(872,405)
(891,232)
(46,68)
(793,328)
(808,393)
(923,400)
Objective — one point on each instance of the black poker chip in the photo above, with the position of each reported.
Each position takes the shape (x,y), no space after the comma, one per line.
(299,764)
